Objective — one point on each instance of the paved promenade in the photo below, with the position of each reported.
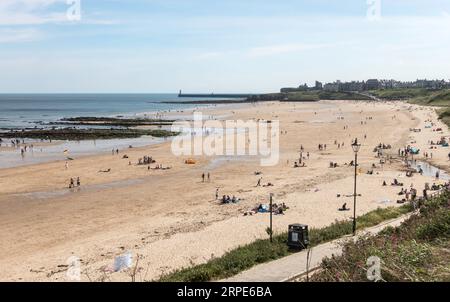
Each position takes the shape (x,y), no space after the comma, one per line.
(290,267)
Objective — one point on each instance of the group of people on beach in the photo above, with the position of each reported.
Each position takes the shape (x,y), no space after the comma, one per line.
(339,145)
(72,183)
(206,177)
(277,209)
(258,184)
(226,199)
(410,195)
(159,167)
(17,143)
(146,160)
(322,147)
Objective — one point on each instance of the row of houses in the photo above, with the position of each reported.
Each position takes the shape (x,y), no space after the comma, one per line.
(371,84)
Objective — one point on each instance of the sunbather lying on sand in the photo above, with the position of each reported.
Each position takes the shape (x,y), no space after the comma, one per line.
(396,183)
(302,165)
(227,199)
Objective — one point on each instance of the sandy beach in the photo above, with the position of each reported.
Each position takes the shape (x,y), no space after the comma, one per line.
(170,218)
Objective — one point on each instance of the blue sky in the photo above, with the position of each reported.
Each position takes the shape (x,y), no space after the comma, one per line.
(221,46)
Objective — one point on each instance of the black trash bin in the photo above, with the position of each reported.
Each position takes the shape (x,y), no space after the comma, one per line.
(298,236)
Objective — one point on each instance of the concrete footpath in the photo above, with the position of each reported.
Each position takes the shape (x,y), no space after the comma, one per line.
(293,266)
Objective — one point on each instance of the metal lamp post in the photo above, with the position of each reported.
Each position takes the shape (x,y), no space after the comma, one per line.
(355,147)
(271,229)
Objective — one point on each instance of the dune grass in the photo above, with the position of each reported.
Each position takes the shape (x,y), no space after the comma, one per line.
(401,93)
(261,251)
(417,250)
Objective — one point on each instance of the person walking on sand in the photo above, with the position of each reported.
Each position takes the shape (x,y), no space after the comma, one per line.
(67,165)
(259,182)
(209,177)
(203,177)
(78,182)
(71,185)
(217,193)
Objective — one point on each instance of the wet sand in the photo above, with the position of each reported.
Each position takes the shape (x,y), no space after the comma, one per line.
(171,218)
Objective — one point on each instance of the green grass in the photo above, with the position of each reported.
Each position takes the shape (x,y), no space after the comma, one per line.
(444,115)
(417,250)
(419,96)
(434,98)
(401,93)
(440,98)
(303,96)
(261,251)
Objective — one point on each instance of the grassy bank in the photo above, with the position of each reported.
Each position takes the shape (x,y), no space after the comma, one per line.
(84,134)
(440,98)
(401,93)
(418,250)
(418,96)
(307,96)
(444,115)
(260,251)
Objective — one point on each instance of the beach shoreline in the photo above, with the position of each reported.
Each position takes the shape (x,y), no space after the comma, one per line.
(170,218)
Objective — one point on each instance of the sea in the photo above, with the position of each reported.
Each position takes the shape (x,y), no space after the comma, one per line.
(18,111)
(27,111)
